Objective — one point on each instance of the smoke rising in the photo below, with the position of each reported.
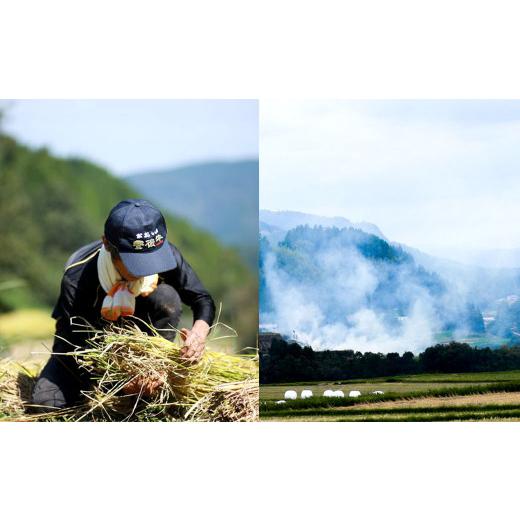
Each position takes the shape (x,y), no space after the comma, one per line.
(330,295)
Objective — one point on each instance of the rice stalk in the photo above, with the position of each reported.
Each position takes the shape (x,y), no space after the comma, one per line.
(121,355)
(16,384)
(230,402)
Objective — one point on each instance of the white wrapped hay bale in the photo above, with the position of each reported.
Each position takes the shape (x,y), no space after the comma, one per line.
(378,392)
(290,394)
(306,394)
(339,393)
(354,393)
(328,393)
(281,402)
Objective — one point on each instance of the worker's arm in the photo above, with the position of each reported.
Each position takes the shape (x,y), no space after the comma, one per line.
(193,294)
(185,281)
(194,340)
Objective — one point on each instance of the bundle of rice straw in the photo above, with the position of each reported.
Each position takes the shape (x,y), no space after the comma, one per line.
(16,384)
(120,355)
(230,402)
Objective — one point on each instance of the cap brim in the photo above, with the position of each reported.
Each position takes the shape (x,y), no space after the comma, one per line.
(145,264)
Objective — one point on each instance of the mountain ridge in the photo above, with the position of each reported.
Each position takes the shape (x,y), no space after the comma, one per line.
(304,258)
(219,196)
(286,220)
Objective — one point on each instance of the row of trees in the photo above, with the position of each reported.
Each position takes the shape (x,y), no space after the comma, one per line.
(288,361)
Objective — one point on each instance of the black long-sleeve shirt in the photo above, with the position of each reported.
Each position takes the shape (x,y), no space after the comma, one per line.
(81,295)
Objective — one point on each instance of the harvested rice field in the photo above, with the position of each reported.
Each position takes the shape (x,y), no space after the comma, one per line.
(432,397)
(122,363)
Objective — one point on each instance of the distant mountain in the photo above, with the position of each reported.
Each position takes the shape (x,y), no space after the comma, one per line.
(341,272)
(487,258)
(485,286)
(346,271)
(482,276)
(220,197)
(286,220)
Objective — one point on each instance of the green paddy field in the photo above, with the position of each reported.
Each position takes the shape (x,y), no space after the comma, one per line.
(483,396)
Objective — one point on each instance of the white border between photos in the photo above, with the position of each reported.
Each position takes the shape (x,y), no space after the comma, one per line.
(250,471)
(269,49)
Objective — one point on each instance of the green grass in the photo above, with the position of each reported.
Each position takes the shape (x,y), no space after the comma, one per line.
(427,413)
(447,391)
(476,377)
(273,394)
(402,385)
(398,410)
(400,388)
(493,414)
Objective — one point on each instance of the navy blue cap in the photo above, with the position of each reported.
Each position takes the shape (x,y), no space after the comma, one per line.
(138,231)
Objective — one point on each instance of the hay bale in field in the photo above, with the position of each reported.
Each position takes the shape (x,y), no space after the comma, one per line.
(305,394)
(378,392)
(281,401)
(328,393)
(339,393)
(290,394)
(354,393)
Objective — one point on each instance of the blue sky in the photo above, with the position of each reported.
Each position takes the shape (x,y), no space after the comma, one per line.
(438,175)
(127,136)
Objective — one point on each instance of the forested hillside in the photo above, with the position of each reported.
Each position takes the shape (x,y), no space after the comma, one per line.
(356,281)
(49,206)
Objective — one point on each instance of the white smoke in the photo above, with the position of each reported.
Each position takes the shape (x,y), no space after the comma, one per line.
(303,310)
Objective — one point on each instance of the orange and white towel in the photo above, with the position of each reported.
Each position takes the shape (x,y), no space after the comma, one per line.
(120,298)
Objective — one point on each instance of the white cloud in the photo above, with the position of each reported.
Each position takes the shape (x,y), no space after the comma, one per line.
(432,175)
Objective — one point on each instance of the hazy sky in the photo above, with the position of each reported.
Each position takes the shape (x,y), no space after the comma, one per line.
(431,174)
(128,136)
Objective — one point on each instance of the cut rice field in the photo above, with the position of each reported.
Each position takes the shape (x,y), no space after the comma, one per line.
(123,361)
(426,397)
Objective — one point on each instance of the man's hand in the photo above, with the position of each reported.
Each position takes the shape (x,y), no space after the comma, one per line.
(147,386)
(194,341)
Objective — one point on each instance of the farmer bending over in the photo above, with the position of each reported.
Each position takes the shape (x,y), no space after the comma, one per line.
(132,271)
